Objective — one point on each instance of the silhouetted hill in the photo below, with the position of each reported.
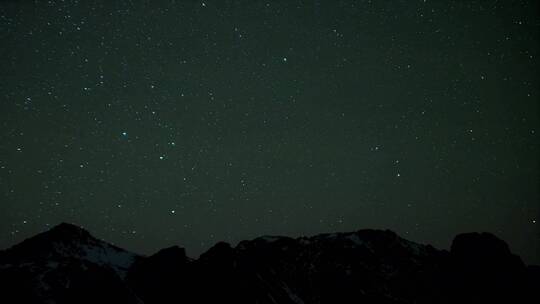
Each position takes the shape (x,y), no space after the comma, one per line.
(67,265)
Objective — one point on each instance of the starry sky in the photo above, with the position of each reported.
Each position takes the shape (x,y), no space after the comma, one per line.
(155,123)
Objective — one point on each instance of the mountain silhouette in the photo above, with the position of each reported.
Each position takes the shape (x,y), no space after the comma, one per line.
(68,265)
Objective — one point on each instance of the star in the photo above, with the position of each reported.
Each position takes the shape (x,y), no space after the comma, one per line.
(163,124)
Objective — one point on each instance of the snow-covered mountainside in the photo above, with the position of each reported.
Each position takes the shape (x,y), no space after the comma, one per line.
(68,265)
(60,259)
(67,241)
(370,265)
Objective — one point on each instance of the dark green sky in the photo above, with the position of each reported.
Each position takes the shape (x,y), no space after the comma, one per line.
(153,123)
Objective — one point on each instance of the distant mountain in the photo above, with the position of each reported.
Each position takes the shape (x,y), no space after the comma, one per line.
(67,265)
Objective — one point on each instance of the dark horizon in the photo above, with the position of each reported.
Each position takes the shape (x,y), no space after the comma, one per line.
(235,244)
(366,266)
(188,122)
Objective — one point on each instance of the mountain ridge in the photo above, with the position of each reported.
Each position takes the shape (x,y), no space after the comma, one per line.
(67,264)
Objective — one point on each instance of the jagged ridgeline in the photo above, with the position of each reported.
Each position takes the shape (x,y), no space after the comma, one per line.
(68,265)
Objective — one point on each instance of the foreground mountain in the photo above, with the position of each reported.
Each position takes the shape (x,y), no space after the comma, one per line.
(65,265)
(68,265)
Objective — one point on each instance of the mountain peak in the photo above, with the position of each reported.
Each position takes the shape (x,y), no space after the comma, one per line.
(484,250)
(69,241)
(67,226)
(68,231)
(57,240)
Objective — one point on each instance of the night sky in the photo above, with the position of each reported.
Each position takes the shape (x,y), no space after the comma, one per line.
(156,123)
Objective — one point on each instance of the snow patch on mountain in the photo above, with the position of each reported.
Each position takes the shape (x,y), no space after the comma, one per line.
(296,299)
(270,239)
(120,261)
